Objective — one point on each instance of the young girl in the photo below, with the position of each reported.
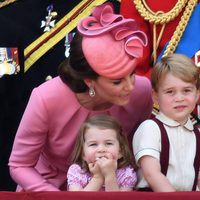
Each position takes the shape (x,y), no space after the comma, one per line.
(167,149)
(102,159)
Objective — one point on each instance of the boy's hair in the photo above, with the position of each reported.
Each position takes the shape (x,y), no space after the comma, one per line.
(179,65)
(102,121)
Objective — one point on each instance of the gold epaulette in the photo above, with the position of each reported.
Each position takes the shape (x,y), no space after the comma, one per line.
(46,41)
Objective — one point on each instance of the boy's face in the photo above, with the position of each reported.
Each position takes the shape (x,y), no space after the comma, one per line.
(176,98)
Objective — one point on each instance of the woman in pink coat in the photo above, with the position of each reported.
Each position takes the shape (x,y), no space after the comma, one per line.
(98,77)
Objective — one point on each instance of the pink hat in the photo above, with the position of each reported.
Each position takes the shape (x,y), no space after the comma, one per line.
(111,44)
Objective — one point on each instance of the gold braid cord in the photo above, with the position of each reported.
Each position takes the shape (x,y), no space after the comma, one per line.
(6,2)
(163,18)
(180,28)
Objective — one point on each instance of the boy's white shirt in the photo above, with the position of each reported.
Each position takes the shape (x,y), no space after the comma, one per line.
(147,141)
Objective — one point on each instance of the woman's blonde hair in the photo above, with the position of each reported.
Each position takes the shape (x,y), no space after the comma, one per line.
(102,121)
(179,65)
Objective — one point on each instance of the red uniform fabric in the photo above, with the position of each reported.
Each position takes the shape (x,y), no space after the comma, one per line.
(128,10)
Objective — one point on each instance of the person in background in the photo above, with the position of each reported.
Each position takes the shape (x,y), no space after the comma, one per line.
(171,27)
(98,77)
(102,159)
(167,148)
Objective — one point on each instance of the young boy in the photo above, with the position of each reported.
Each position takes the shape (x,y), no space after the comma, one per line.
(166,148)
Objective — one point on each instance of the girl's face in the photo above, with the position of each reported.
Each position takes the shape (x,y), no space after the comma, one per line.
(115,91)
(100,143)
(176,98)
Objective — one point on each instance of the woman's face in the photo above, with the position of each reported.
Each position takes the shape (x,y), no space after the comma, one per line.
(116,91)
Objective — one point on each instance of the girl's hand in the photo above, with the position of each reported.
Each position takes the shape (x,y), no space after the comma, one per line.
(95,170)
(108,167)
(107,164)
(97,180)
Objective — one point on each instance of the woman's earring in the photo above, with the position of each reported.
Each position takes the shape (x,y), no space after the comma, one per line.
(91,91)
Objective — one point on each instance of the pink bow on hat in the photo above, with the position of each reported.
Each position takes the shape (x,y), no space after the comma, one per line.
(104,35)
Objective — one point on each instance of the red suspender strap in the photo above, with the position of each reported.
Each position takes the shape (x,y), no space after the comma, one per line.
(197,157)
(164,154)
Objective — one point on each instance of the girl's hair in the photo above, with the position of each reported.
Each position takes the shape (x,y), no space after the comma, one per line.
(103,122)
(75,68)
(177,64)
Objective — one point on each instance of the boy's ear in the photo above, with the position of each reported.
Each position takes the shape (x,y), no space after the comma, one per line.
(155,96)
